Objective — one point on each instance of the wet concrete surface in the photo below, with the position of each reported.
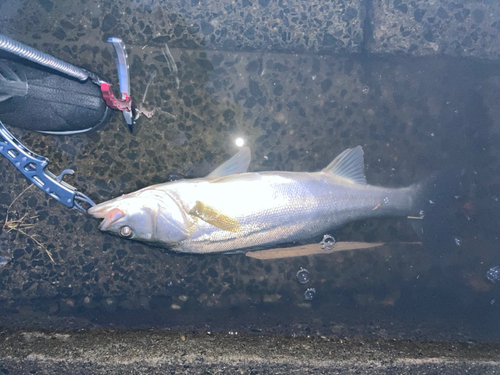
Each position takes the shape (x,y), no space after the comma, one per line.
(415,28)
(256,25)
(296,113)
(105,352)
(463,28)
(413,116)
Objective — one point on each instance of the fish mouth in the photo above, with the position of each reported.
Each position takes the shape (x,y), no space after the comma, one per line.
(108,213)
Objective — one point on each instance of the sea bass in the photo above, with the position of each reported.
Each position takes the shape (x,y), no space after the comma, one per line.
(232,210)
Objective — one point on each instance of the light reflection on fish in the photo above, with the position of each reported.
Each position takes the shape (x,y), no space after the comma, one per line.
(233,210)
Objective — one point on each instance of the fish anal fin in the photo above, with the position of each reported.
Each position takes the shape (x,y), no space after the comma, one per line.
(214,217)
(237,164)
(310,249)
(349,165)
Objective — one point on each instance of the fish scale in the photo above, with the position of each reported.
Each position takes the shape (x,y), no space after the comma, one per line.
(287,207)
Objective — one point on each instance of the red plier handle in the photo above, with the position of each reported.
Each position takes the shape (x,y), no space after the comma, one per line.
(113,102)
(126,105)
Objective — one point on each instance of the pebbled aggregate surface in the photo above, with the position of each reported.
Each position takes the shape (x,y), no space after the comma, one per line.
(299,93)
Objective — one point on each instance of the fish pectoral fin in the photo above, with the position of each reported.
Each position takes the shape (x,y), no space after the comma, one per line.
(214,217)
(237,164)
(350,165)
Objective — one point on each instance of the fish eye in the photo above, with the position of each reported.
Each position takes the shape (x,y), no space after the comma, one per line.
(125,231)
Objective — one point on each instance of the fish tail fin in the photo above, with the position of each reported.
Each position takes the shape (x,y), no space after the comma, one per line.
(434,209)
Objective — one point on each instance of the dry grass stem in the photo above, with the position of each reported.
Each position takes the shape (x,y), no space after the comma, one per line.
(20,226)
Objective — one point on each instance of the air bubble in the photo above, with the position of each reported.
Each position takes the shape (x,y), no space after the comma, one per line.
(328,242)
(302,276)
(493,274)
(309,294)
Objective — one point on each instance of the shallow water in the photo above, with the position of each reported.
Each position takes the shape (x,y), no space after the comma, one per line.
(296,111)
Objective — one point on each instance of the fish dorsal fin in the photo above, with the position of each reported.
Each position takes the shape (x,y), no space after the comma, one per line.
(237,164)
(350,165)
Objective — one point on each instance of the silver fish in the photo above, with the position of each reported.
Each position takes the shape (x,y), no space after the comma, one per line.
(233,210)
